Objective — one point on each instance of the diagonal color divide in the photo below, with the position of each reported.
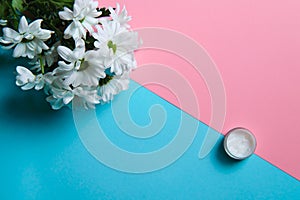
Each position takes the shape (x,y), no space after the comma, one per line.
(189,50)
(176,43)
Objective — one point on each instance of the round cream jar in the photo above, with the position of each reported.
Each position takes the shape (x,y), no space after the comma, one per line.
(239,143)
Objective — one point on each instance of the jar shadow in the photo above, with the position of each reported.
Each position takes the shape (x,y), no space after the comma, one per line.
(224,163)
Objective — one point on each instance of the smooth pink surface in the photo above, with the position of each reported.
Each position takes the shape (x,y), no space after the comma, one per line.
(256,46)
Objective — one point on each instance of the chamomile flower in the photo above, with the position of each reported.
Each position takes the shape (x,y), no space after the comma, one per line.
(62,95)
(29,40)
(27,80)
(119,44)
(84,17)
(93,71)
(82,67)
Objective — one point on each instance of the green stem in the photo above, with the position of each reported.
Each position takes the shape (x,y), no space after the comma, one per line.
(42,65)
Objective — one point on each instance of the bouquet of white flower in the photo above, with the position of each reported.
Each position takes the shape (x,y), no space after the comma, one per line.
(86,53)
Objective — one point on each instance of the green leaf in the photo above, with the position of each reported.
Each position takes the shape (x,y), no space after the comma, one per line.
(4,9)
(17,5)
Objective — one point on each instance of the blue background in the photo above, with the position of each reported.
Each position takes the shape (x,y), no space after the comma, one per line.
(42,156)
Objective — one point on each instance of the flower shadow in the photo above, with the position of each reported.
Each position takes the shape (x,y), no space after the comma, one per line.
(27,105)
(16,103)
(27,113)
(8,63)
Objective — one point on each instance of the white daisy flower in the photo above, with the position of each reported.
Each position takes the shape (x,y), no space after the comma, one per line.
(120,45)
(62,95)
(29,41)
(82,68)
(27,80)
(84,16)
(114,87)
(121,17)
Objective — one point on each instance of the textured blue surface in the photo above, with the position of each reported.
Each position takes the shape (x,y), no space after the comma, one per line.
(42,156)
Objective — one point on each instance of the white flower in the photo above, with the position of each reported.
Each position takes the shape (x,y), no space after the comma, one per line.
(62,95)
(84,18)
(29,41)
(113,87)
(121,17)
(3,22)
(118,44)
(82,68)
(27,80)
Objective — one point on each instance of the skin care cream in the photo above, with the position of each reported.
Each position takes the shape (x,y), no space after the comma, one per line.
(239,143)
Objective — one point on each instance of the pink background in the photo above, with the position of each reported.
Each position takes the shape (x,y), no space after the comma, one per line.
(256,46)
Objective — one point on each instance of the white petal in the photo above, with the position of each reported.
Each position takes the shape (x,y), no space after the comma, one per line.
(49,78)
(113,14)
(28,86)
(3,41)
(56,104)
(80,30)
(31,46)
(91,20)
(25,73)
(93,4)
(76,9)
(3,22)
(63,67)
(35,26)
(43,34)
(70,31)
(71,80)
(19,50)
(67,14)
(41,44)
(88,26)
(30,54)
(80,44)
(65,53)
(11,35)
(39,85)
(23,25)
(95,13)
(68,99)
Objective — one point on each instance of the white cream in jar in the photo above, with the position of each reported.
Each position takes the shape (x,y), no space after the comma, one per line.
(239,143)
